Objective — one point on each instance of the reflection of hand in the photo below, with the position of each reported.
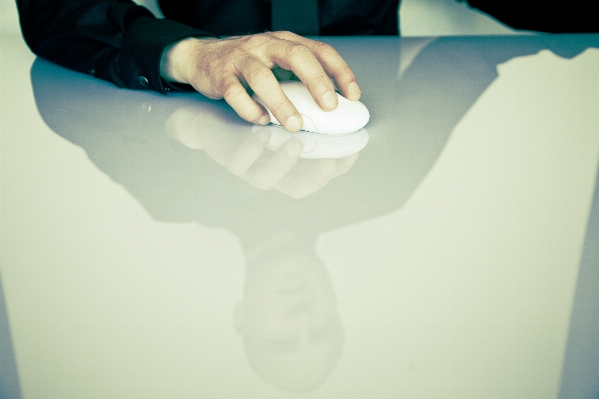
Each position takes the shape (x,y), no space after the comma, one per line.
(282,169)
(219,68)
(311,175)
(246,156)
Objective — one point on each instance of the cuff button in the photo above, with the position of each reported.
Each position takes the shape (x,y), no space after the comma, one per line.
(143,81)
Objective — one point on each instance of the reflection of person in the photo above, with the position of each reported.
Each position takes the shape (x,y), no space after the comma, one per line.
(123,134)
(287,322)
(288,319)
(123,43)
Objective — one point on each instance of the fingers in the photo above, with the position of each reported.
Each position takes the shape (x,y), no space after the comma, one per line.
(248,152)
(267,175)
(179,127)
(302,61)
(264,83)
(237,152)
(337,68)
(238,98)
(345,164)
(331,62)
(318,176)
(220,68)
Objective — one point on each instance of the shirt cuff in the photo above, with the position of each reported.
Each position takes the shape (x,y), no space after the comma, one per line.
(142,49)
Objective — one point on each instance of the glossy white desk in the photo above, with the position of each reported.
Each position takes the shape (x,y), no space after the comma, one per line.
(444,263)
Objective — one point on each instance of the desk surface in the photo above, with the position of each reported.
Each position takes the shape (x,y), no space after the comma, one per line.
(443,262)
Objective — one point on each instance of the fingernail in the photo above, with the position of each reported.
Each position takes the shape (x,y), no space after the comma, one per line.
(329,100)
(264,119)
(294,149)
(293,123)
(354,90)
(264,136)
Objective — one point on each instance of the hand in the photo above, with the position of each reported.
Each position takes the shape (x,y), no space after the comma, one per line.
(245,154)
(225,68)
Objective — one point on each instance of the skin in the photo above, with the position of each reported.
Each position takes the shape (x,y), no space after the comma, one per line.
(228,68)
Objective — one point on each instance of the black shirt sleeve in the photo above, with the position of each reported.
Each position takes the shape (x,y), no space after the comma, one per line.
(114,40)
(551,16)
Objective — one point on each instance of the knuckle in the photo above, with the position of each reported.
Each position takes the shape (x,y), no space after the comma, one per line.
(246,108)
(256,40)
(297,38)
(253,115)
(213,96)
(213,79)
(231,91)
(209,89)
(297,50)
(234,56)
(326,50)
(215,89)
(286,35)
(343,74)
(279,106)
(258,74)
(324,47)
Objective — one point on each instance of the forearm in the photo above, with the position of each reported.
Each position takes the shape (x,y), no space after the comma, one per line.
(115,40)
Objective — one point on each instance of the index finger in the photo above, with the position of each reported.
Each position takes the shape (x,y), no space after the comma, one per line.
(263,82)
(300,59)
(331,61)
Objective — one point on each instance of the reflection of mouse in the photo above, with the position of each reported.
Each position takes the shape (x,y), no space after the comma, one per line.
(349,116)
(316,145)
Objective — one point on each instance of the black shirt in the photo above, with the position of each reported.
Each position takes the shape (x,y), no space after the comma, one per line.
(121,42)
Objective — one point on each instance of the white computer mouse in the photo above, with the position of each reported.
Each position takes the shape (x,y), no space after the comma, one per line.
(348,117)
(318,145)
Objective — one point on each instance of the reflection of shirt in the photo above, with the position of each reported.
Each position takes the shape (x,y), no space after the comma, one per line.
(121,42)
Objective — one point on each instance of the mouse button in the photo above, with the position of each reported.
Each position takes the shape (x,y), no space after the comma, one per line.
(309,124)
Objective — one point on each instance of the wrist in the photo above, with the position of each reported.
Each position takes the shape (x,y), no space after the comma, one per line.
(176,57)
